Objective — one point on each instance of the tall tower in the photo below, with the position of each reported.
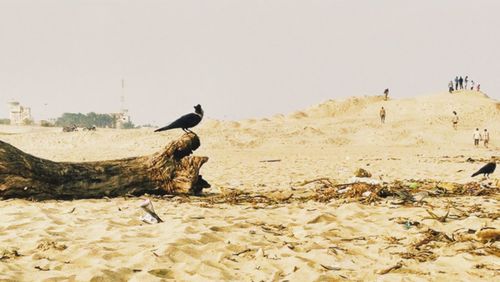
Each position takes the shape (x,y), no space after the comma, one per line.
(123,116)
(122,98)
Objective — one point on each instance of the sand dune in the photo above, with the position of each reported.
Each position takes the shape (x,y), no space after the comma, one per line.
(287,240)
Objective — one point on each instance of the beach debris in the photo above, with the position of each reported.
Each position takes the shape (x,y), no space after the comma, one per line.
(360,238)
(414,185)
(150,217)
(432,235)
(324,180)
(366,194)
(260,253)
(393,240)
(408,223)
(362,173)
(9,253)
(488,235)
(270,161)
(46,244)
(394,267)
(44,267)
(326,189)
(436,217)
(170,171)
(420,196)
(367,180)
(327,267)
(405,196)
(418,255)
(242,252)
(448,186)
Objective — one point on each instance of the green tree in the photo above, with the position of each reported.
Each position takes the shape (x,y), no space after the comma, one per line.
(45,123)
(28,121)
(128,125)
(88,120)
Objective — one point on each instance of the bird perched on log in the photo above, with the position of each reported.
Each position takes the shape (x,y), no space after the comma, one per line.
(186,121)
(486,170)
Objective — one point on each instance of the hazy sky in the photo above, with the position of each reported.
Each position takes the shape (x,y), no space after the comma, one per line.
(238,59)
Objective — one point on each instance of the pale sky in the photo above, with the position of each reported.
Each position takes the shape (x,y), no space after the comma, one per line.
(238,59)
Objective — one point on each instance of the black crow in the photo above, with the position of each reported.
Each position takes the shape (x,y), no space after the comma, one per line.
(186,121)
(486,170)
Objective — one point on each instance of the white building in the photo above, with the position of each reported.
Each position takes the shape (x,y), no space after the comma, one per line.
(121,118)
(19,114)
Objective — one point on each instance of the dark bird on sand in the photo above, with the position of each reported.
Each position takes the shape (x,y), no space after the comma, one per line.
(186,121)
(486,170)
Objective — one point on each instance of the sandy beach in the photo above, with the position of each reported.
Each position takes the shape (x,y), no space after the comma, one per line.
(291,235)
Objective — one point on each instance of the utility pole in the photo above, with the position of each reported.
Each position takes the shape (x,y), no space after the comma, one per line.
(122,98)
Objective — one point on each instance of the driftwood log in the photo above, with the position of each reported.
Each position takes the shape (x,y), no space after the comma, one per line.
(169,171)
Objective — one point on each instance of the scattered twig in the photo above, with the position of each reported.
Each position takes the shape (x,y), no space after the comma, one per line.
(327,267)
(353,239)
(321,179)
(438,218)
(394,267)
(242,252)
(270,161)
(147,206)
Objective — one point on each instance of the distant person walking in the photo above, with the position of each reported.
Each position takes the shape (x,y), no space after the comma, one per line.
(382,115)
(466,80)
(455,120)
(456,82)
(386,94)
(486,138)
(450,86)
(461,82)
(472,83)
(478,87)
(477,137)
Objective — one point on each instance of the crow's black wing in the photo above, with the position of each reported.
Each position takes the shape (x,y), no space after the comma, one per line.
(487,169)
(186,121)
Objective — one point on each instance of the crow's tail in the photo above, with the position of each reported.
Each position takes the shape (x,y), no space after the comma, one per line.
(164,128)
(476,173)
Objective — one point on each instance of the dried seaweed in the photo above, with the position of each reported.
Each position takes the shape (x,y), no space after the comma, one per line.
(409,193)
(418,255)
(431,235)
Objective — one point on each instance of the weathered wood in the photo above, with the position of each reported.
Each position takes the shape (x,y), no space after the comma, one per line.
(169,171)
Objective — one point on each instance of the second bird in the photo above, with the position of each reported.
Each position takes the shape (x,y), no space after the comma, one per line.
(486,170)
(186,121)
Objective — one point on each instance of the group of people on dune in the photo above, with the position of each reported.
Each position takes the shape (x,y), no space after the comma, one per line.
(477,136)
(462,83)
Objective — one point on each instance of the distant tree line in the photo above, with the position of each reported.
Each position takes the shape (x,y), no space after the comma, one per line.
(88,120)
(25,121)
